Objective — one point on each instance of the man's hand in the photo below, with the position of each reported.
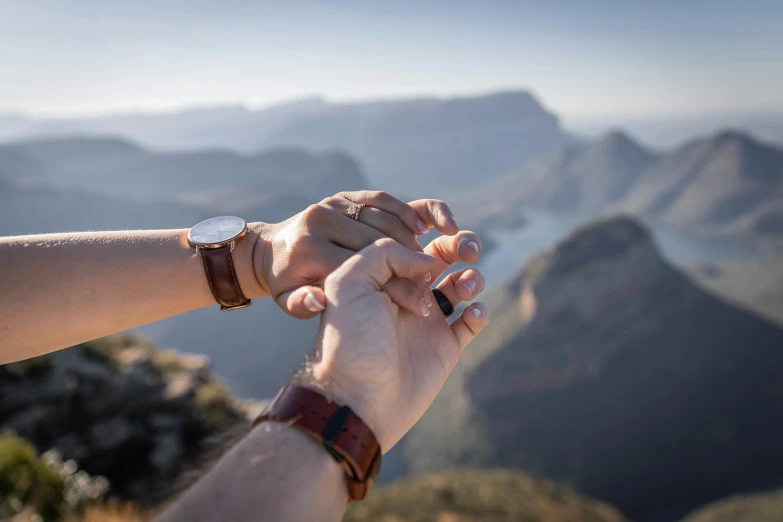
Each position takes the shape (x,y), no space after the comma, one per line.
(301,251)
(387,361)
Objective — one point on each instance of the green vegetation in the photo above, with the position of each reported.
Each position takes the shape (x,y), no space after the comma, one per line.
(479,496)
(215,404)
(26,482)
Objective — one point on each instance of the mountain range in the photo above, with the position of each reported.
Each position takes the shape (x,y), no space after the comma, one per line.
(608,369)
(420,146)
(727,184)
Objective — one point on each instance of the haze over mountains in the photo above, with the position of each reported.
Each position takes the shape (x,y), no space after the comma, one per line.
(725,184)
(607,369)
(408,146)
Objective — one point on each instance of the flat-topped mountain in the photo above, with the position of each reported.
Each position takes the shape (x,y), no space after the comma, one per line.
(608,369)
(418,146)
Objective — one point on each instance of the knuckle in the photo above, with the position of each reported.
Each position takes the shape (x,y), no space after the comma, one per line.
(331,201)
(385,244)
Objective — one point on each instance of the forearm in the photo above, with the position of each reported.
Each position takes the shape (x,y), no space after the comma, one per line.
(58,290)
(276,473)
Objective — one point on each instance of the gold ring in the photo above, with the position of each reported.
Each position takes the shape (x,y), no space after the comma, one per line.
(354,210)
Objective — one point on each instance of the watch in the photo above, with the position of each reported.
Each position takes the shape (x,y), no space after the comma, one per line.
(214,240)
(343,434)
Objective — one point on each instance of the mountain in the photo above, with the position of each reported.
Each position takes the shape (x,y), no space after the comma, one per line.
(759,507)
(728,181)
(609,370)
(219,179)
(585,178)
(420,146)
(727,185)
(479,496)
(756,283)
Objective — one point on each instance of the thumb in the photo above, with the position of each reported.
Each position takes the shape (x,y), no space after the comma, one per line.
(304,302)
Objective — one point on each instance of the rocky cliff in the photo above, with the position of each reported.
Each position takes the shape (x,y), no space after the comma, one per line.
(121,408)
(608,369)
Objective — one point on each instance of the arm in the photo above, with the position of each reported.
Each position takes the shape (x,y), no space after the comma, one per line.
(58,290)
(276,474)
(385,361)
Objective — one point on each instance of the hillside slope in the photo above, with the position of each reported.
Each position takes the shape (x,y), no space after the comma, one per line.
(609,370)
(728,184)
(759,507)
(479,496)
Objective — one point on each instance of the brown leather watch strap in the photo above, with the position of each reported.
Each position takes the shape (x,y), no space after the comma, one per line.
(344,435)
(222,278)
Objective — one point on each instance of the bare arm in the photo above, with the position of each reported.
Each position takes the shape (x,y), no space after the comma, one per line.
(275,474)
(383,360)
(58,290)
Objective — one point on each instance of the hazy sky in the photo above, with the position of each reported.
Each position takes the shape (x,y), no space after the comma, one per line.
(583,59)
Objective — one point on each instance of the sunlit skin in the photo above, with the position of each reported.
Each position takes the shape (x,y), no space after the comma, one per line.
(386,361)
(58,290)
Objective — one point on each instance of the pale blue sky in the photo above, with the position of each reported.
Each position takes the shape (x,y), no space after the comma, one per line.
(596,59)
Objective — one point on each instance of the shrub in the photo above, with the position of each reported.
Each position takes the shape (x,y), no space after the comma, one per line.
(215,404)
(26,482)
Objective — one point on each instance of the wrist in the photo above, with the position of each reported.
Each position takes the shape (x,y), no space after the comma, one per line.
(344,392)
(248,258)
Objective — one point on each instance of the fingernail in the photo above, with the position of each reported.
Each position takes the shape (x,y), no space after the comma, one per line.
(312,304)
(428,297)
(452,218)
(422,226)
(470,285)
(427,277)
(476,312)
(473,246)
(425,310)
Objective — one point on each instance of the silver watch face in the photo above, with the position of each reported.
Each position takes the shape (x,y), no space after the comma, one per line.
(217,230)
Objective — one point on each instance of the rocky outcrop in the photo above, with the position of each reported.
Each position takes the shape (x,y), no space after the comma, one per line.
(608,369)
(120,408)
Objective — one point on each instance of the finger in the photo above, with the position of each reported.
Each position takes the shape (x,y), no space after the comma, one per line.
(381,261)
(436,213)
(409,296)
(468,325)
(448,250)
(464,285)
(388,203)
(389,225)
(304,302)
(329,258)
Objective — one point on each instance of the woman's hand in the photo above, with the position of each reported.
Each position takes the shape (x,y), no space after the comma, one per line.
(388,362)
(291,257)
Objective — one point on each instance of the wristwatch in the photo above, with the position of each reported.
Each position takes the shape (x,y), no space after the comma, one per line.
(214,240)
(343,434)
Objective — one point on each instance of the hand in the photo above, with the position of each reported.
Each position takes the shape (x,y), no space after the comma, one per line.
(300,252)
(388,361)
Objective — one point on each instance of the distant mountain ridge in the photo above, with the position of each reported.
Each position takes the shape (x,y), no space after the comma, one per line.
(420,146)
(217,179)
(725,184)
(609,370)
